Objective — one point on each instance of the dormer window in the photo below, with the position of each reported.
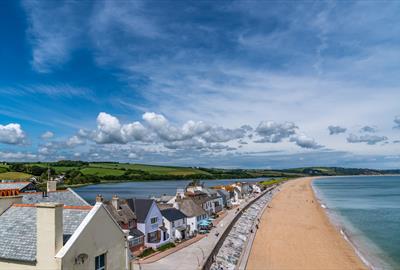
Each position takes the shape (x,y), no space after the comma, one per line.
(153,220)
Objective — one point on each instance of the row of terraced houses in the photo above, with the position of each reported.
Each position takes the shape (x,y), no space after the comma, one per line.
(57,229)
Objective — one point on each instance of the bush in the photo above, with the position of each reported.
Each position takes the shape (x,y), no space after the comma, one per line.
(166,246)
(146,252)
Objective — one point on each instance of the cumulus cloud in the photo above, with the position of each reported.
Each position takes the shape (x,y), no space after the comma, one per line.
(12,134)
(110,130)
(273,132)
(47,135)
(367,138)
(304,141)
(157,129)
(18,156)
(397,121)
(333,130)
(74,141)
(368,129)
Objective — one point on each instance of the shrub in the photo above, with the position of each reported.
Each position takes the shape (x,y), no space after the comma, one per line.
(166,246)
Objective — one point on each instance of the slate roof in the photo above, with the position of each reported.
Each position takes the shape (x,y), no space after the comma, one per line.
(18,231)
(14,185)
(140,207)
(172,214)
(190,208)
(224,193)
(66,197)
(136,233)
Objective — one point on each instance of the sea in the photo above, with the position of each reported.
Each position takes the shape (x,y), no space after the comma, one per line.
(367,211)
(147,189)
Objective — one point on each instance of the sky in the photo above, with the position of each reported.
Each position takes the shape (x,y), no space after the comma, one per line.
(234,84)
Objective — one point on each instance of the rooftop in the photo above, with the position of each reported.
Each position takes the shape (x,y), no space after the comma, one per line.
(172,214)
(66,197)
(14,185)
(190,208)
(140,207)
(18,230)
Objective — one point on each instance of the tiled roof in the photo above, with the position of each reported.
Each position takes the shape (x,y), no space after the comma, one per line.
(18,231)
(14,185)
(66,197)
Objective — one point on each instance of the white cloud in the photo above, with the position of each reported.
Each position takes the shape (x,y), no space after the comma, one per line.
(74,141)
(368,129)
(47,135)
(397,121)
(368,139)
(12,134)
(333,130)
(17,156)
(305,142)
(273,132)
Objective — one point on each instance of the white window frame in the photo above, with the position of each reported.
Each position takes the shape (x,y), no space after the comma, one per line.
(154,218)
(98,259)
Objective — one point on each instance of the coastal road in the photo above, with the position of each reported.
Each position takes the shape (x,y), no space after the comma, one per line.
(193,256)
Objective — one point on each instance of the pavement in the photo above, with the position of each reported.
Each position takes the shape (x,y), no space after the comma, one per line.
(193,256)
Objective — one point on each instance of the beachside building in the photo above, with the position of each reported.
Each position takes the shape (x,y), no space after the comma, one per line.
(12,188)
(126,218)
(194,214)
(175,222)
(226,197)
(150,222)
(59,237)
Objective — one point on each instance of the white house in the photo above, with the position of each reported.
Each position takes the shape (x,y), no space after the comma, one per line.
(53,236)
(175,222)
(194,214)
(150,222)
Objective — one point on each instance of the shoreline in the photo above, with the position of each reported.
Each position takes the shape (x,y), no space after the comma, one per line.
(365,249)
(298,227)
(339,227)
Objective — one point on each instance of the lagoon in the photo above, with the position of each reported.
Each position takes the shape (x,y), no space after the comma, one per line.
(146,189)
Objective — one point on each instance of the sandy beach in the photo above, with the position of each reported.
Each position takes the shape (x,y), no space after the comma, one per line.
(295,233)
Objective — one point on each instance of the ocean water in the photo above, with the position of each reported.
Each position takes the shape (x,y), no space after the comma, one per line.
(146,189)
(367,208)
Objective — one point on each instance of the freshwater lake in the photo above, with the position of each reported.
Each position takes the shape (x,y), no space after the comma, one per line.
(146,189)
(367,208)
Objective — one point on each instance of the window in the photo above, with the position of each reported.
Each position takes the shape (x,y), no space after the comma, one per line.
(153,220)
(136,241)
(100,262)
(173,224)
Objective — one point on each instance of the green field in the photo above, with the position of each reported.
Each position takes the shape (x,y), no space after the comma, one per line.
(101,171)
(161,170)
(14,176)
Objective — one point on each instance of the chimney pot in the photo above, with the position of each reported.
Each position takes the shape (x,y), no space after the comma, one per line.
(99,198)
(115,201)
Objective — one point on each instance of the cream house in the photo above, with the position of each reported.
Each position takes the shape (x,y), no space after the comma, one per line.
(51,236)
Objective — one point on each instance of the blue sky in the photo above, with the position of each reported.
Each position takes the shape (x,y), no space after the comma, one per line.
(201,83)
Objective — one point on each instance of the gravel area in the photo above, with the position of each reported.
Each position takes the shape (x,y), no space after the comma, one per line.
(234,244)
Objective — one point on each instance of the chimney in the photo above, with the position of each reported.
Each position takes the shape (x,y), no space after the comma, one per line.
(115,201)
(99,198)
(49,234)
(51,186)
(7,201)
